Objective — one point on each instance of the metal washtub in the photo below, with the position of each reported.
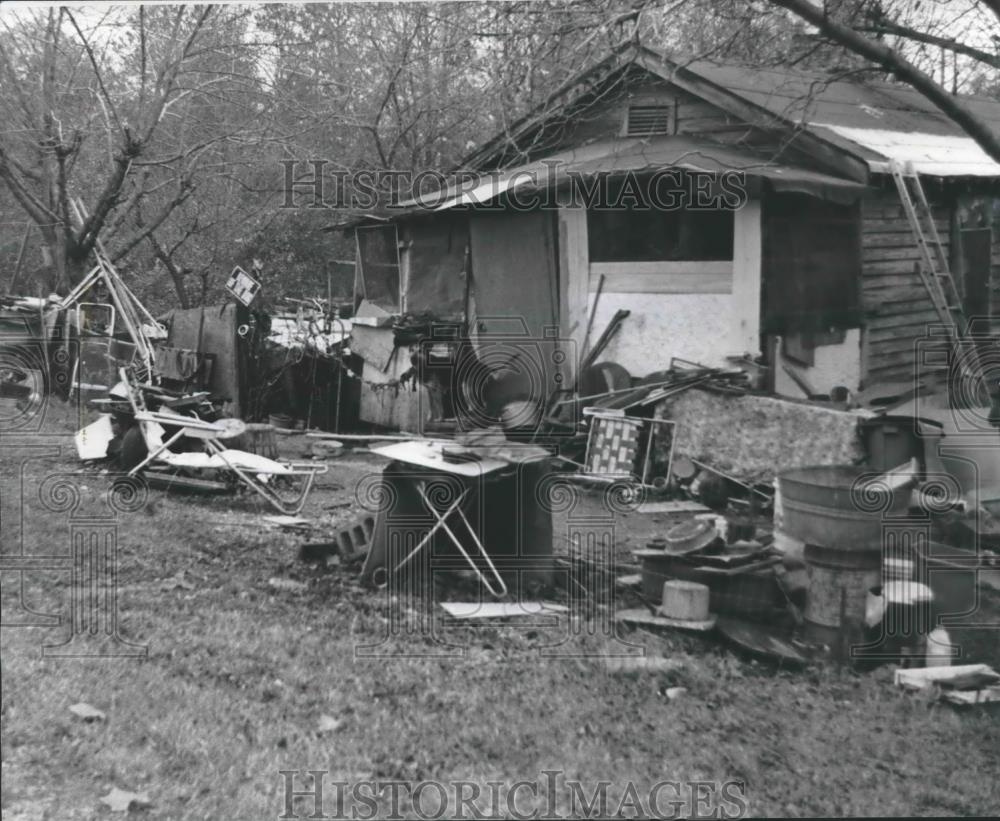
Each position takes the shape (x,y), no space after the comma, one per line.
(833,506)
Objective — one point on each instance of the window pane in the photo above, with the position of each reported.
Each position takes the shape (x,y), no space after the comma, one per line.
(379,256)
(629,233)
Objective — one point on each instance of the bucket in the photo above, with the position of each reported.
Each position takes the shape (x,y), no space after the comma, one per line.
(685,601)
(831,506)
(839,581)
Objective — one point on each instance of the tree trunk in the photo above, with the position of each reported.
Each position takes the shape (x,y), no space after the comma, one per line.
(176,274)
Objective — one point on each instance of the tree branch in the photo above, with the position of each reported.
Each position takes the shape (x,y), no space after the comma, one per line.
(97,71)
(902,68)
(888,27)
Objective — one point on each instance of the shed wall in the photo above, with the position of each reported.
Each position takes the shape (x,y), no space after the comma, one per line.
(897,307)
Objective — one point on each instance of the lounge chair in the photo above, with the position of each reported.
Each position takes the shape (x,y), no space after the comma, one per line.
(254,471)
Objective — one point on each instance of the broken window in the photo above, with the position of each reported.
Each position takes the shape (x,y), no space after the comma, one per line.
(626,231)
(378,265)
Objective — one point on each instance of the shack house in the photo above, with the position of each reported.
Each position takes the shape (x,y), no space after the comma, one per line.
(814,270)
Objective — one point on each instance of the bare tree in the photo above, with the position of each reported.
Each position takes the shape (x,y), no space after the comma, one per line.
(129,113)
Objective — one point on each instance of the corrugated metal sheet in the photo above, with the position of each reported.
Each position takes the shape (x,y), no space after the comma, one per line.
(933,154)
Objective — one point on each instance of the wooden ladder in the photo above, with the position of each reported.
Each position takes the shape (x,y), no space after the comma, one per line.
(934,269)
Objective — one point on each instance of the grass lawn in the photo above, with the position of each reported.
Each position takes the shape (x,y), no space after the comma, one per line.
(247,674)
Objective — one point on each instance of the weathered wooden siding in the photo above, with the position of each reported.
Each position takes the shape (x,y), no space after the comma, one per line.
(896,304)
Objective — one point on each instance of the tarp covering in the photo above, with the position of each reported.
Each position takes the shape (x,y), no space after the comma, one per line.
(437,276)
(514,272)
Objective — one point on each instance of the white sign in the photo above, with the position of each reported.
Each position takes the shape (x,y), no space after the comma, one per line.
(242,286)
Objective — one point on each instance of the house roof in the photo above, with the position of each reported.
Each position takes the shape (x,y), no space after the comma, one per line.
(617,156)
(642,155)
(872,122)
(886,121)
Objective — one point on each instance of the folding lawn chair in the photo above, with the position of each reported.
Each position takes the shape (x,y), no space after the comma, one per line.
(254,471)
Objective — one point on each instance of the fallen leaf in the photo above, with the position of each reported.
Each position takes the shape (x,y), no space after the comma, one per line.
(123,800)
(87,712)
(328,724)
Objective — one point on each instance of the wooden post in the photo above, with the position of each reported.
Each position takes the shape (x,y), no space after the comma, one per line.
(574,279)
(746,278)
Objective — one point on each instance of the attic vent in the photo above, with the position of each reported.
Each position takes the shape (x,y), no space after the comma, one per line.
(646,120)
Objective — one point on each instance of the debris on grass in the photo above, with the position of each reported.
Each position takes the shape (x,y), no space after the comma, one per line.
(964,684)
(501,610)
(641,664)
(288,585)
(294,522)
(328,724)
(87,712)
(124,801)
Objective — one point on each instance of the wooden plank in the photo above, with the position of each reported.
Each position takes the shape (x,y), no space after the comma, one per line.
(886,347)
(713,277)
(880,280)
(879,225)
(892,336)
(884,326)
(895,316)
(883,254)
(894,288)
(722,267)
(888,239)
(906,298)
(884,356)
(686,283)
(889,266)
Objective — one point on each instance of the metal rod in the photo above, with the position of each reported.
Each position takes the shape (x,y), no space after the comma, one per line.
(20,258)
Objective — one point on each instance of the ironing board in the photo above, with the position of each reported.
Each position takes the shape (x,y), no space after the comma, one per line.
(429,457)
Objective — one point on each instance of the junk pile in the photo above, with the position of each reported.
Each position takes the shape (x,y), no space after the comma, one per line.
(155,421)
(181,441)
(304,368)
(849,567)
(157,412)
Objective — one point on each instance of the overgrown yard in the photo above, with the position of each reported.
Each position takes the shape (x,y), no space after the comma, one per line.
(247,675)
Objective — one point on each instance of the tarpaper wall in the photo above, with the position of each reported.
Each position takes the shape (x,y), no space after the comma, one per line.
(433,259)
